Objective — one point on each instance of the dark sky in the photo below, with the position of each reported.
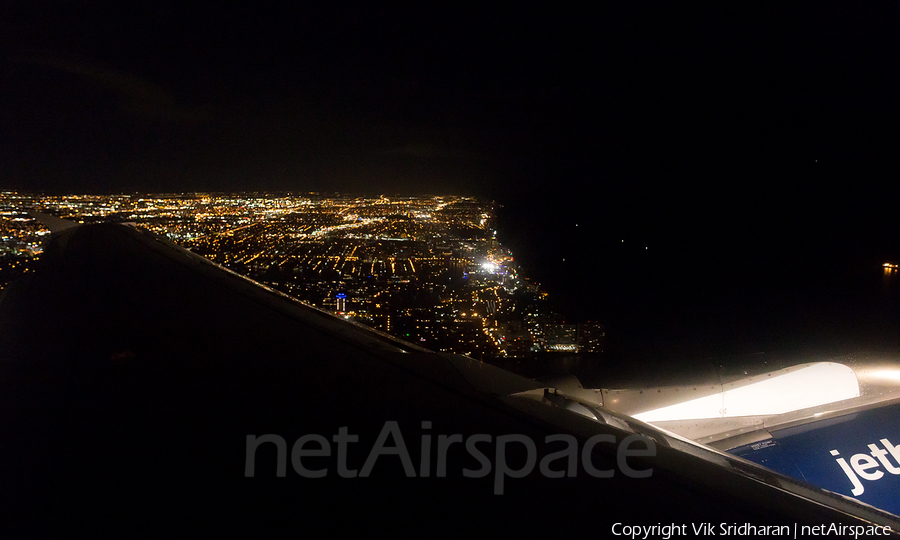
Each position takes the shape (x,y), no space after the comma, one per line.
(635,100)
(742,137)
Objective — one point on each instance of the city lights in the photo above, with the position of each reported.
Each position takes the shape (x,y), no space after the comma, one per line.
(429,270)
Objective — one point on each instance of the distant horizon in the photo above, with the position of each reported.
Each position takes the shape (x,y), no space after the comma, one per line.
(59,193)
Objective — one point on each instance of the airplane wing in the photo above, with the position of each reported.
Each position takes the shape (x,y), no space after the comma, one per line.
(833,423)
(146,391)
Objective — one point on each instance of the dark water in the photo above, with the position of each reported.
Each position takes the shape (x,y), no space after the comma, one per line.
(687,291)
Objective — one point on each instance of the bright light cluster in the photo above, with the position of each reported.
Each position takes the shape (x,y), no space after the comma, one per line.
(810,386)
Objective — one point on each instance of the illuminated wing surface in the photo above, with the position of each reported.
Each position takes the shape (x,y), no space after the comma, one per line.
(833,424)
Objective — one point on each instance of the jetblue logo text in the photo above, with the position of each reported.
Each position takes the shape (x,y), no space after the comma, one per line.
(554,465)
(866,467)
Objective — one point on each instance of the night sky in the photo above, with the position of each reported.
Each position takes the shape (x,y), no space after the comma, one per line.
(742,145)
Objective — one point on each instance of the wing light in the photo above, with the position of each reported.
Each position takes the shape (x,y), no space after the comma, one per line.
(817,384)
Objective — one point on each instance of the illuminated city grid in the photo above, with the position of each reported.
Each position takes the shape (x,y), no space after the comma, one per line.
(428,270)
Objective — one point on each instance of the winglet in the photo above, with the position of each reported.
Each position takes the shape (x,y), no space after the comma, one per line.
(53,223)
